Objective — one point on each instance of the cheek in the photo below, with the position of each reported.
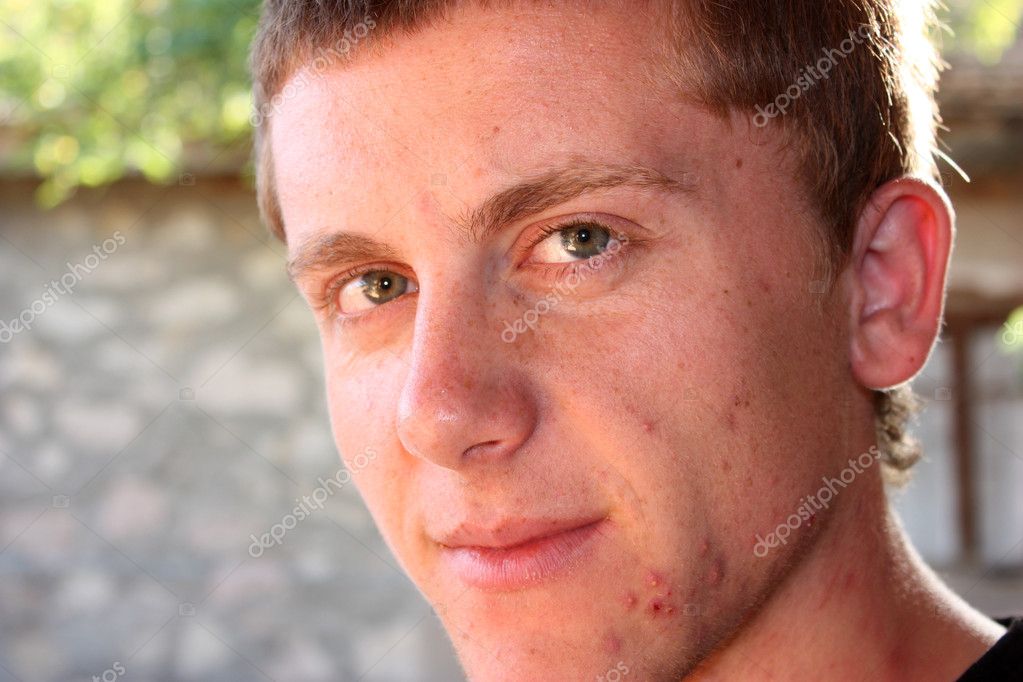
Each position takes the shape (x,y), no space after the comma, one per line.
(361,401)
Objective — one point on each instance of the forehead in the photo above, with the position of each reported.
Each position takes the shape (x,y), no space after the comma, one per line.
(472,102)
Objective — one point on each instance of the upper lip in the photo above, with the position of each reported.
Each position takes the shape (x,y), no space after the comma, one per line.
(512,531)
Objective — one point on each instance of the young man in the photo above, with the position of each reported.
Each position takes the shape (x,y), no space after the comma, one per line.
(622,298)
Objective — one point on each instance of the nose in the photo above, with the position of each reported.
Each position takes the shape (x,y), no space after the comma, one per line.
(464,400)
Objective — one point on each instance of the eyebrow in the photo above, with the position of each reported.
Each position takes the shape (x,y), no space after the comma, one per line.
(532,195)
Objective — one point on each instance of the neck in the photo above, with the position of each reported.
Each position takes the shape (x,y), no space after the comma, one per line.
(860,605)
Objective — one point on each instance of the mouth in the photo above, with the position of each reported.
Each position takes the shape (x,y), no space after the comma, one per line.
(529,553)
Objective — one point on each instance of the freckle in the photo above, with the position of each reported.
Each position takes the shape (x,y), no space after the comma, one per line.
(725,291)
(738,163)
(765,286)
(726,466)
(497,129)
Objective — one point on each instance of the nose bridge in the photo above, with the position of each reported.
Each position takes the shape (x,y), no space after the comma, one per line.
(463,399)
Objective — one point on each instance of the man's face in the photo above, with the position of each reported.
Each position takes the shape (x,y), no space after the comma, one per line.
(670,403)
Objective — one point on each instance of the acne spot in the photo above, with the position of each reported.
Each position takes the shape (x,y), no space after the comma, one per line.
(653,578)
(738,162)
(726,466)
(612,643)
(630,600)
(659,606)
(704,547)
(648,427)
(717,572)
(850,580)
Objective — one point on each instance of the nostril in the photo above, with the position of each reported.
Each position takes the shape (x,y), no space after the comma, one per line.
(482,450)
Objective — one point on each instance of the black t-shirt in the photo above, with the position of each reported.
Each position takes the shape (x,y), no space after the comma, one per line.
(1003,662)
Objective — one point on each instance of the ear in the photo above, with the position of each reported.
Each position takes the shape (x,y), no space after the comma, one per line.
(899,262)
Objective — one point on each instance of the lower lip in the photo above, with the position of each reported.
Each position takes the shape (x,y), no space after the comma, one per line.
(514,568)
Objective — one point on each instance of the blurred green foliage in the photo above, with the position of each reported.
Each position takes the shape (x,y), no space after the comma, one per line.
(92,90)
(1011,334)
(983,28)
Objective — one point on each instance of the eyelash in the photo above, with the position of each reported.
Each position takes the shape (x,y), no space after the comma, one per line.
(328,298)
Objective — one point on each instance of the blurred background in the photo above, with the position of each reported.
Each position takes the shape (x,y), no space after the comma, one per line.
(161,402)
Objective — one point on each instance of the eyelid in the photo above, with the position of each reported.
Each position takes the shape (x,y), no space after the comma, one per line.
(556,225)
(327,297)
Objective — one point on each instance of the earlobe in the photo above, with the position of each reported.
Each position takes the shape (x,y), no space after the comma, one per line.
(898,270)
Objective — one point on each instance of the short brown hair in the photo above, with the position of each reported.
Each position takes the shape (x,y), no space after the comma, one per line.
(868,119)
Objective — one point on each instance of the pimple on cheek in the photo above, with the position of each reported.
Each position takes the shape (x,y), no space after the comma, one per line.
(657,596)
(612,643)
(717,572)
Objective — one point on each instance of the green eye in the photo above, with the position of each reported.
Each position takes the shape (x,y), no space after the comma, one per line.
(373,289)
(575,242)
